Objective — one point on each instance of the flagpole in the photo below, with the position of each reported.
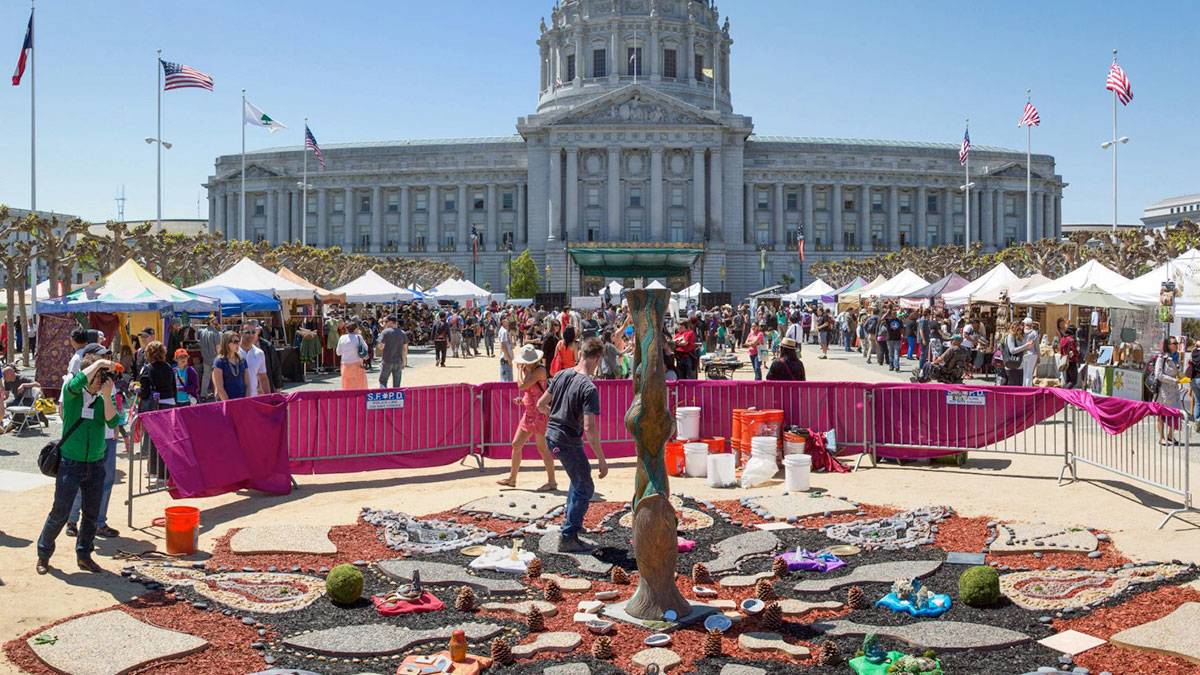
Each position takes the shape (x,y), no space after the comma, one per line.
(1115,144)
(33,150)
(1028,173)
(242,199)
(304,191)
(967,193)
(158,85)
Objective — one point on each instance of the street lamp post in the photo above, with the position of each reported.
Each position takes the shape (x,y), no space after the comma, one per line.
(163,145)
(304,188)
(1113,144)
(966,188)
(547,277)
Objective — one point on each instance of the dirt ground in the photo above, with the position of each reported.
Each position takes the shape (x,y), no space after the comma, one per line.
(1008,487)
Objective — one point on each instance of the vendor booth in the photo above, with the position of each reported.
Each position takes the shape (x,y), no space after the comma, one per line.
(935,291)
(460,291)
(370,287)
(999,277)
(898,286)
(809,293)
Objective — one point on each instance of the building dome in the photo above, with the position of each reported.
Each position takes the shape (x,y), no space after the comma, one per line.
(591,47)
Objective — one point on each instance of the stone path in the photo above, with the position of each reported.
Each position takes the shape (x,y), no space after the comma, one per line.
(1173,634)
(568,669)
(732,551)
(937,635)
(875,573)
(522,608)
(1029,537)
(283,538)
(690,520)
(769,642)
(906,530)
(743,580)
(1071,642)
(559,641)
(1076,589)
(109,643)
(517,505)
(257,592)
(792,607)
(796,506)
(664,658)
(586,561)
(442,574)
(377,639)
(569,584)
(740,669)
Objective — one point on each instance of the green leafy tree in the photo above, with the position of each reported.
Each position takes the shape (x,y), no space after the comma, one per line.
(523,276)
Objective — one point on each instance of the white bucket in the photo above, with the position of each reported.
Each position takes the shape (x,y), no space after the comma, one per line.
(797,469)
(721,470)
(695,459)
(762,465)
(793,447)
(687,423)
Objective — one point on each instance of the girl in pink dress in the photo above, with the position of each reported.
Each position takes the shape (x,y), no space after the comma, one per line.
(531,384)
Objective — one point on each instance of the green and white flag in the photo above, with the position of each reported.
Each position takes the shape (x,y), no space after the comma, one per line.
(252,115)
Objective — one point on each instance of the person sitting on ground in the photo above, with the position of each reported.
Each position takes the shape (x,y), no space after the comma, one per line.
(788,367)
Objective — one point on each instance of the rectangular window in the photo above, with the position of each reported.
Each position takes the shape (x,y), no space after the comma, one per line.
(933,236)
(449,202)
(364,205)
(339,205)
(599,62)
(635,229)
(905,202)
(506,241)
(448,240)
(850,240)
(793,201)
(848,204)
(422,199)
(700,68)
(820,200)
(763,199)
(669,68)
(958,238)
(260,206)
(1010,205)
(420,236)
(675,231)
(635,197)
(877,202)
(312,205)
(593,230)
(931,204)
(958,204)
(506,201)
(633,59)
(593,196)
(676,196)
(477,201)
(762,234)
(364,242)
(570,67)
(393,202)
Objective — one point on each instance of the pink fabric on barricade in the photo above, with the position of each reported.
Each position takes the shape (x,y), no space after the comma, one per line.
(223,447)
(1115,415)
(501,415)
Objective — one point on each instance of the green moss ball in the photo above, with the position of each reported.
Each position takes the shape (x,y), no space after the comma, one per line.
(344,584)
(979,586)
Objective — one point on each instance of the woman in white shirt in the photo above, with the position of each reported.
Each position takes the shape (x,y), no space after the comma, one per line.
(1030,359)
(352,350)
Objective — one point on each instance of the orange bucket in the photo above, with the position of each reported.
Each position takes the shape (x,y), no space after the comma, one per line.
(716,445)
(183,529)
(673,456)
(735,438)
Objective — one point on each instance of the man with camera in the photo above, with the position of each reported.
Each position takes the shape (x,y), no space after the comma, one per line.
(88,410)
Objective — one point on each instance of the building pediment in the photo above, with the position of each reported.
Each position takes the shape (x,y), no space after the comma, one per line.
(1011,170)
(254,171)
(633,105)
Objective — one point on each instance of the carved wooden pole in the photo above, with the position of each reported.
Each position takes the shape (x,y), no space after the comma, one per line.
(650,423)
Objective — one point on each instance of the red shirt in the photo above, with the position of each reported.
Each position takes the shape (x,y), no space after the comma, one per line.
(685,341)
(1068,348)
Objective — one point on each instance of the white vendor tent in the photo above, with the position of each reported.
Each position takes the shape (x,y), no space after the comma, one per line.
(999,277)
(248,275)
(898,286)
(993,295)
(813,291)
(1090,273)
(691,292)
(864,292)
(371,287)
(614,289)
(655,284)
(458,290)
(1184,271)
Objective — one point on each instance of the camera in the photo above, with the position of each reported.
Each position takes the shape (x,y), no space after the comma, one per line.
(115,374)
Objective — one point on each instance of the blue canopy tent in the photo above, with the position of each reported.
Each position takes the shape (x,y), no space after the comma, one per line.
(239,300)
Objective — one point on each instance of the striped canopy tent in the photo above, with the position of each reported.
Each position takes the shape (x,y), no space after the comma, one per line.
(850,287)
(863,291)
(327,297)
(130,288)
(950,282)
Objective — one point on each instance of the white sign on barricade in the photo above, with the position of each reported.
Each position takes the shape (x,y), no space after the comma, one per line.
(384,400)
(976,398)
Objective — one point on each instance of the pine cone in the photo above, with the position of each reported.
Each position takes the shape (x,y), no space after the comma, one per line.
(701,575)
(501,652)
(856,599)
(772,618)
(465,601)
(535,620)
(602,648)
(618,575)
(764,590)
(779,568)
(533,570)
(553,591)
(712,644)
(827,654)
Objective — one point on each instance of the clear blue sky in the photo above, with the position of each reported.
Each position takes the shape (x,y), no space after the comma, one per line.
(378,70)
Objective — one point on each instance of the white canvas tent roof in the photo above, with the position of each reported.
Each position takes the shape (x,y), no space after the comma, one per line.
(655,284)
(865,291)
(813,291)
(248,275)
(690,292)
(1090,273)
(999,277)
(371,287)
(992,295)
(898,286)
(1184,271)
(458,290)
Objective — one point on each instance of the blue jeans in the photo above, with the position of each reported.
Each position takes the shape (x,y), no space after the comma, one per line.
(912,346)
(394,371)
(847,339)
(757,366)
(506,371)
(893,350)
(579,471)
(86,478)
(1195,400)
(110,477)
(924,356)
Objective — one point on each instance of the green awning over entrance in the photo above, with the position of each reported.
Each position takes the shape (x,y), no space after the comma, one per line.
(634,260)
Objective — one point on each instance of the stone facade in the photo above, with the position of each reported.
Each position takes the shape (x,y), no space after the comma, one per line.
(630,143)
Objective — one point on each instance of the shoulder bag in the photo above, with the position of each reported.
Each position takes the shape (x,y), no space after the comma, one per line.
(51,454)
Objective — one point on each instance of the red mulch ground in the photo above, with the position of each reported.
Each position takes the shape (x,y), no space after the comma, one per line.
(962,534)
(500,526)
(1109,557)
(870,512)
(1108,621)
(598,511)
(738,514)
(687,642)
(360,541)
(229,639)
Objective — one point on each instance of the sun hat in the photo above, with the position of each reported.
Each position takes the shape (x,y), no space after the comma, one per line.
(528,355)
(1028,321)
(787,343)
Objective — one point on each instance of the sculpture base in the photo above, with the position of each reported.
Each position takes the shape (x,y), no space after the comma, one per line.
(696,613)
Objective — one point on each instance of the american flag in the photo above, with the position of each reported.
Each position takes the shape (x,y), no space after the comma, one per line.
(26,49)
(965,150)
(179,76)
(1118,82)
(1030,117)
(310,143)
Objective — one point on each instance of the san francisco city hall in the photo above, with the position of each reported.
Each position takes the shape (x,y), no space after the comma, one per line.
(627,169)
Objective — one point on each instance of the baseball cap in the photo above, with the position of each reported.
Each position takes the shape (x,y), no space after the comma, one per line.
(95,348)
(181,352)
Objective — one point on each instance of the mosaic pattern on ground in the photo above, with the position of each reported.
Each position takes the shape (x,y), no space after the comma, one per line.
(1030,537)
(906,530)
(261,592)
(518,505)
(1075,589)
(402,532)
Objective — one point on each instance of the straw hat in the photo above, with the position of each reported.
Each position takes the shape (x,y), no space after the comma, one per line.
(787,343)
(528,355)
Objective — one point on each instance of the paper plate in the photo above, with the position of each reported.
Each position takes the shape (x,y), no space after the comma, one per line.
(844,549)
(473,551)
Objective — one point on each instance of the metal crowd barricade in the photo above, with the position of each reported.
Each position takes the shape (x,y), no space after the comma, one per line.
(142,471)
(500,417)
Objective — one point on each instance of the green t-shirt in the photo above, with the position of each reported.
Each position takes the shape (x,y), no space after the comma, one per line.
(87,443)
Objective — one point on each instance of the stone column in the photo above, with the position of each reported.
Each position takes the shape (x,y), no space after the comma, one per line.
(1057,230)
(493,221)
(717,206)
(947,217)
(220,204)
(405,219)
(750,227)
(778,237)
(837,230)
(689,60)
(893,230)
(555,194)
(656,195)
(1039,213)
(460,205)
(520,235)
(572,195)
(322,218)
(617,46)
(614,194)
(810,225)
(864,218)
(919,232)
(578,55)
(986,229)
(212,214)
(699,217)
(654,67)
(377,219)
(269,225)
(348,238)
(295,234)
